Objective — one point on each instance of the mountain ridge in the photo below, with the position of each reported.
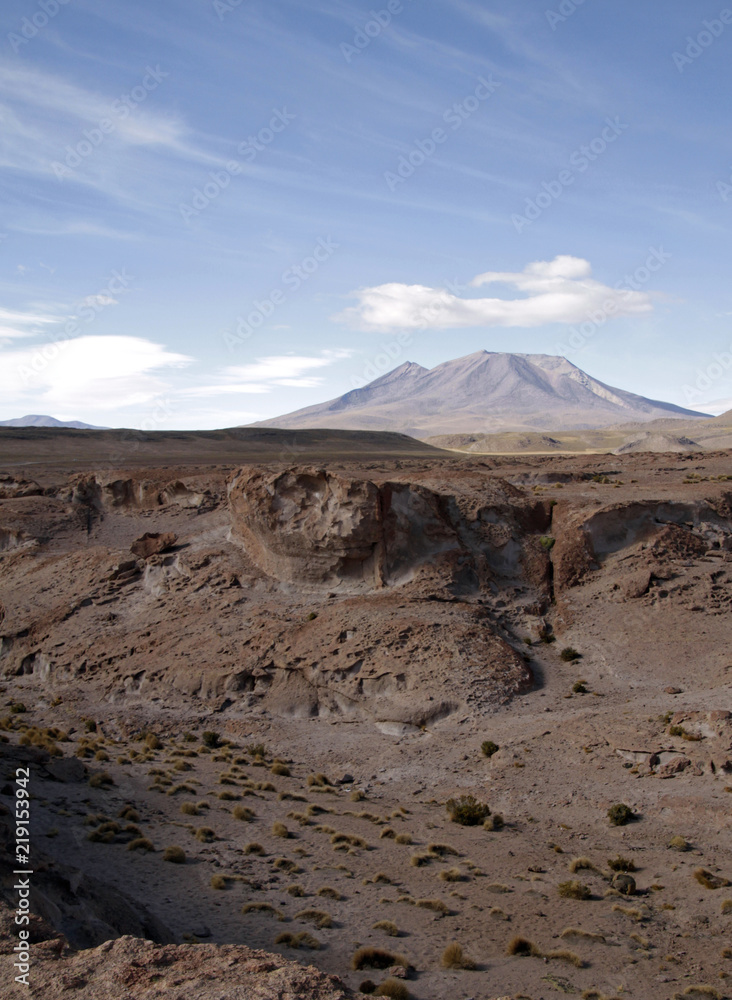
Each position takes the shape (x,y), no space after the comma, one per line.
(483,391)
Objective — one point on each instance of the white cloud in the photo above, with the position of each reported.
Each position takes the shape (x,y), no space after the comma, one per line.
(714,409)
(288,370)
(14,323)
(556,291)
(85,373)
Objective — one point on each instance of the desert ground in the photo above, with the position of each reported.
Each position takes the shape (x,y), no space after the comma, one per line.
(254,683)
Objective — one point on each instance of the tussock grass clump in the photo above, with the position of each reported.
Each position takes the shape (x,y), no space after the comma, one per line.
(280,830)
(376,958)
(319,918)
(262,908)
(403,838)
(357,795)
(253,848)
(452,875)
(726,906)
(620,864)
(317,781)
(393,988)
(219,882)
(387,834)
(454,957)
(280,769)
(574,890)
(568,654)
(581,864)
(620,814)
(521,947)
(420,860)
(435,905)
(211,739)
(300,818)
(579,933)
(442,850)
(701,991)
(303,939)
(243,813)
(467,811)
(291,796)
(678,844)
(348,840)
(140,844)
(228,796)
(627,911)
(387,926)
(129,813)
(101,780)
(205,835)
(174,854)
(286,865)
(295,890)
(494,822)
(562,955)
(328,892)
(708,880)
(488,748)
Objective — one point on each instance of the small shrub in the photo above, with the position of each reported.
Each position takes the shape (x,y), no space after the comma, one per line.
(574,890)
(708,880)
(521,947)
(387,926)
(467,811)
(387,834)
(101,780)
(317,781)
(375,958)
(435,905)
(328,892)
(253,849)
(488,748)
(280,769)
(243,813)
(579,687)
(621,864)
(129,813)
(301,940)
(280,830)
(152,741)
(569,654)
(357,795)
(174,854)
(219,882)
(420,860)
(403,838)
(620,814)
(494,822)
(678,844)
(319,918)
(393,988)
(205,834)
(140,844)
(295,890)
(581,864)
(451,875)
(262,908)
(453,957)
(211,739)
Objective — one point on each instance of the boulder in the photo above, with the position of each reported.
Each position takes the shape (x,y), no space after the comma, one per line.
(151,543)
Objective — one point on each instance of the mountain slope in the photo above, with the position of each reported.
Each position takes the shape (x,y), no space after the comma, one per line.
(483,392)
(37,420)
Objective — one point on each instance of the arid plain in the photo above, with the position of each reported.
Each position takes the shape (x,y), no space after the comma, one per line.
(320,647)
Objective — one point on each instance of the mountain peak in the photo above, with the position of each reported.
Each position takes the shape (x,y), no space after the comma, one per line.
(485,391)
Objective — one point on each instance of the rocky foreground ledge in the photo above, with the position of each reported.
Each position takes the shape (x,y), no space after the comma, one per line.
(130,967)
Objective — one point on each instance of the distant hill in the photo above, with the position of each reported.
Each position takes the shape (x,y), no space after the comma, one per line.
(485,393)
(36,420)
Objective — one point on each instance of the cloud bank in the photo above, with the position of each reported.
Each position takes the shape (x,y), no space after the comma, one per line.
(557,291)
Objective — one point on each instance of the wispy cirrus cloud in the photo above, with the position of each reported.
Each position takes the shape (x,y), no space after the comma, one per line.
(557,291)
(263,375)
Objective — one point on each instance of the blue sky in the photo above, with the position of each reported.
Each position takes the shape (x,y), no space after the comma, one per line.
(218,211)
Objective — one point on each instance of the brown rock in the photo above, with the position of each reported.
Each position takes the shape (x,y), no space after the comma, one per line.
(637,585)
(673,690)
(151,543)
(675,766)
